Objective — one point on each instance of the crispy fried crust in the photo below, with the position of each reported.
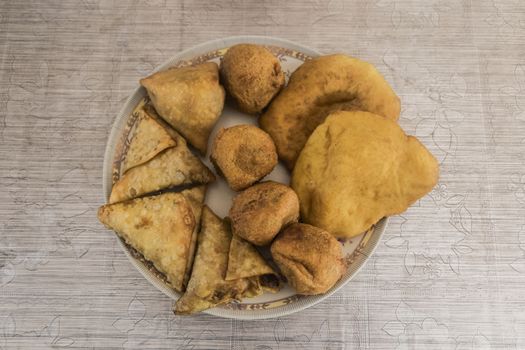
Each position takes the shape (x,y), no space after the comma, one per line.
(173,167)
(261,211)
(160,227)
(207,287)
(358,167)
(190,99)
(195,198)
(310,258)
(244,261)
(252,75)
(149,139)
(243,154)
(317,88)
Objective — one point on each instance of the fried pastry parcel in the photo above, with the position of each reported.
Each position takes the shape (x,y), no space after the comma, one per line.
(190,99)
(207,286)
(261,211)
(149,138)
(173,166)
(310,258)
(162,228)
(210,285)
(252,75)
(244,261)
(243,154)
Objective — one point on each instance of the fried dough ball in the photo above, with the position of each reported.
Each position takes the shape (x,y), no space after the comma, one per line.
(260,212)
(252,75)
(319,87)
(243,154)
(309,257)
(358,167)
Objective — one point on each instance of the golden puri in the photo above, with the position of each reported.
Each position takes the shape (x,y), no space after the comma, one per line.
(316,89)
(358,167)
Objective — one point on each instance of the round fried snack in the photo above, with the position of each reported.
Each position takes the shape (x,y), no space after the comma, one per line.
(252,75)
(260,212)
(309,257)
(243,154)
(358,167)
(319,87)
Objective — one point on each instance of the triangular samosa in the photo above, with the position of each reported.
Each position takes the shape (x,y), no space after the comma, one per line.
(190,99)
(161,228)
(172,167)
(245,261)
(150,110)
(149,138)
(207,287)
(195,197)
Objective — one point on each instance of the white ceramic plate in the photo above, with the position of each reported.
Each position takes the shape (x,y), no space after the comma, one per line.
(219,196)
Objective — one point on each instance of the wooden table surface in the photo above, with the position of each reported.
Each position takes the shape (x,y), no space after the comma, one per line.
(448,274)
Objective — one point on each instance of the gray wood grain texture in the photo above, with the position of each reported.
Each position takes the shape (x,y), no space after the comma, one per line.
(449,273)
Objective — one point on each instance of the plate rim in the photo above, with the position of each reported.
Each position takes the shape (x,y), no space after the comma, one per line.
(121,118)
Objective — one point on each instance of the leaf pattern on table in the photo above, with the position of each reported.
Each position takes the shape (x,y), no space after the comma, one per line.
(476,342)
(506,17)
(415,14)
(50,334)
(279,331)
(435,336)
(513,96)
(136,313)
(517,186)
(518,264)
(425,255)
(404,313)
(410,328)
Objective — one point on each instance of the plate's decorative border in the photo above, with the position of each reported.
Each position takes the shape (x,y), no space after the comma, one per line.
(119,142)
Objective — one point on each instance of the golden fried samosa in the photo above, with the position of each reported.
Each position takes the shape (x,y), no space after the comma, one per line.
(161,228)
(173,167)
(244,261)
(149,138)
(358,167)
(207,286)
(150,110)
(190,99)
(195,197)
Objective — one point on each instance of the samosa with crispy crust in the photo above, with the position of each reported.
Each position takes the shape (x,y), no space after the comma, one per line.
(162,228)
(148,139)
(172,166)
(218,276)
(190,99)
